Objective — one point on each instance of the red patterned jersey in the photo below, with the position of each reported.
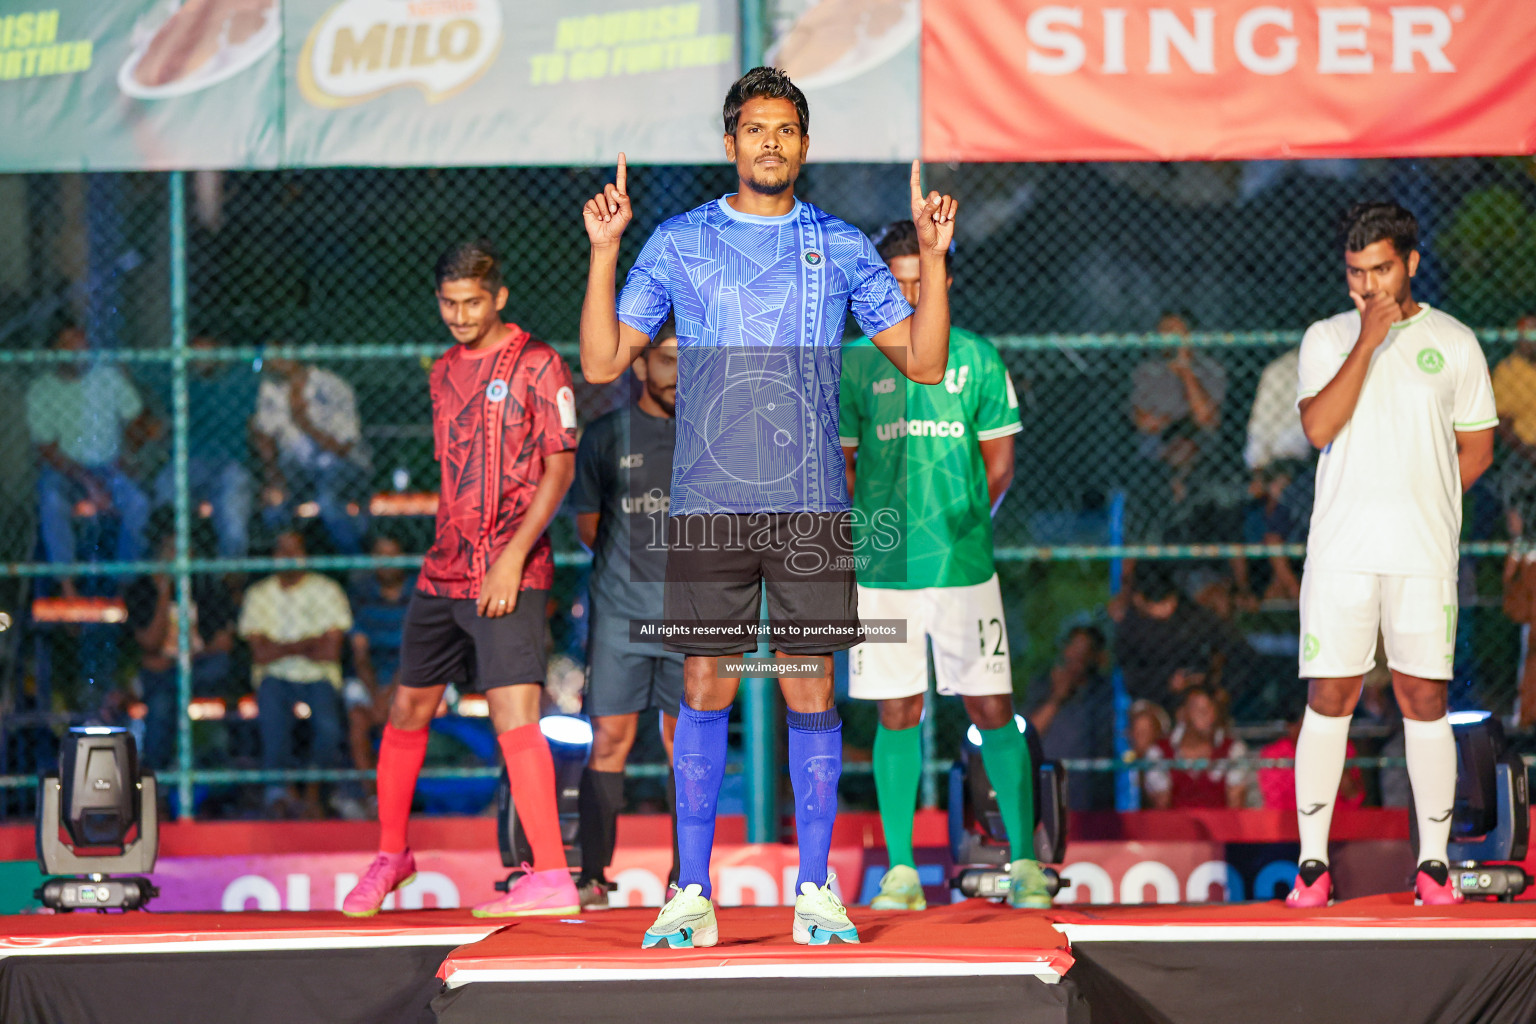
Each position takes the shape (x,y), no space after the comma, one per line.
(517,395)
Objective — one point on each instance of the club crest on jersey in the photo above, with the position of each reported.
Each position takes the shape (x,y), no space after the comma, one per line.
(954,380)
(1431,361)
(812,258)
(496,390)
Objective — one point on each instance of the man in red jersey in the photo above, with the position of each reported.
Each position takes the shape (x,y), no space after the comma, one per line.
(504,432)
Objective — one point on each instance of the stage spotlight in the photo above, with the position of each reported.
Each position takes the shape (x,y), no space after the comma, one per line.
(570,743)
(1490,820)
(96,817)
(978,840)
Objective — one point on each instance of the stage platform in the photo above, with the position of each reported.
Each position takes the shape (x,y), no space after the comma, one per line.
(1375,959)
(249,968)
(965,963)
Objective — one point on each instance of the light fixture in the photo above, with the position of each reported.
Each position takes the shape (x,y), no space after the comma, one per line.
(1490,820)
(978,839)
(96,817)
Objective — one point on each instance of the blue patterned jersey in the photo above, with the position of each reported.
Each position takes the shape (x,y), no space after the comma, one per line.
(761,304)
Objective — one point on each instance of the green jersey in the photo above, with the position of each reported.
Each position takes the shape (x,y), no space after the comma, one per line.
(920,510)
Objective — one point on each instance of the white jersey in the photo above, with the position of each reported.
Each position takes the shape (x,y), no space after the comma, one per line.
(1389,486)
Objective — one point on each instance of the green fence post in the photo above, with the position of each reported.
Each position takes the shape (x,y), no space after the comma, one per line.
(757,693)
(178,280)
(762,770)
(752,33)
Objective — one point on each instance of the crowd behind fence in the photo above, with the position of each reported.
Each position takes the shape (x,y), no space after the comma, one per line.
(250,350)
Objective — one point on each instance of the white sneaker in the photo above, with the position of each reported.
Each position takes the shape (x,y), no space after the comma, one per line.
(820,917)
(687,921)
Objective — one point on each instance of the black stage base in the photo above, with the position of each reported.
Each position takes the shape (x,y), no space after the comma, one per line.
(1379,959)
(967,1000)
(247,968)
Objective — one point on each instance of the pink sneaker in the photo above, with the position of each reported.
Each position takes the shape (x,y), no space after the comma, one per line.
(1318,894)
(1429,891)
(388,872)
(537,892)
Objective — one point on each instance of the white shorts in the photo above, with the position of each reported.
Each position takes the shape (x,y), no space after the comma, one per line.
(1342,611)
(970,643)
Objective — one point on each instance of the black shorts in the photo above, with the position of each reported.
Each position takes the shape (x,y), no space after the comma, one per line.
(624,677)
(717,561)
(445,640)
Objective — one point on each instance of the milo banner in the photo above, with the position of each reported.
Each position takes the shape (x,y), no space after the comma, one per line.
(857,61)
(258,83)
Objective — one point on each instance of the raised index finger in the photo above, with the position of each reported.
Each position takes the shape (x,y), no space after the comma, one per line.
(917,186)
(619,180)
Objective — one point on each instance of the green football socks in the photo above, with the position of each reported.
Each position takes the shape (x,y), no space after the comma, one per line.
(898,765)
(1005,754)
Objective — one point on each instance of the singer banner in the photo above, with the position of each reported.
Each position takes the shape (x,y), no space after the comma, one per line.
(1017,80)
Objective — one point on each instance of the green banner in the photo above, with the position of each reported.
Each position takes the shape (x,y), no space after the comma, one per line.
(95,86)
(254,83)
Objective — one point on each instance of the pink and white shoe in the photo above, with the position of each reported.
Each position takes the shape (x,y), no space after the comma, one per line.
(1430,891)
(1309,895)
(388,872)
(537,892)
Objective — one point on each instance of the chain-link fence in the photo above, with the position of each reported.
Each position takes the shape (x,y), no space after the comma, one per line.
(253,348)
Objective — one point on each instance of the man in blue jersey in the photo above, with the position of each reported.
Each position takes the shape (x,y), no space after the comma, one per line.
(761,285)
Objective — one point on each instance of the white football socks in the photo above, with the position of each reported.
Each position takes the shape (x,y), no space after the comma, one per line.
(1320,751)
(1431,753)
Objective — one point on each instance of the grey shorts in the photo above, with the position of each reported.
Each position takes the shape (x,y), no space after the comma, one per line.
(625,677)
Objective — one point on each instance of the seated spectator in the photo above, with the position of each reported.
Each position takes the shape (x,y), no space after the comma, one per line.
(83,418)
(221,404)
(1073,709)
(311,446)
(1147,723)
(1201,732)
(379,601)
(295,623)
(152,609)
(1277,786)
(1514,396)
(1161,638)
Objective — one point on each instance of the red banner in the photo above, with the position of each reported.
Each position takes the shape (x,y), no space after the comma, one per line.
(1014,80)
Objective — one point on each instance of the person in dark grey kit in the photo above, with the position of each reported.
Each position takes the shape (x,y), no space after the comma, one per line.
(623,475)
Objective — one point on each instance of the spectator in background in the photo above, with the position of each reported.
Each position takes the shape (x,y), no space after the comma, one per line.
(1175,405)
(1163,640)
(83,417)
(152,617)
(310,441)
(221,402)
(1146,723)
(1514,396)
(1202,732)
(1072,708)
(1277,786)
(379,601)
(295,623)
(1281,463)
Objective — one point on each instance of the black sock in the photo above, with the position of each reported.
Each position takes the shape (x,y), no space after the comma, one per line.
(1311,871)
(601,799)
(672,810)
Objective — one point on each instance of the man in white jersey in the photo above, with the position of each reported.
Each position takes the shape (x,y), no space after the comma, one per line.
(1397,396)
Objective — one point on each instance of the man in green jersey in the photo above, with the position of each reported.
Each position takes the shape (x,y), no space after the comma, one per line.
(932,462)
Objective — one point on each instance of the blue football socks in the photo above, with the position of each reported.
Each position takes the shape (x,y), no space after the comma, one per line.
(698,765)
(815,765)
